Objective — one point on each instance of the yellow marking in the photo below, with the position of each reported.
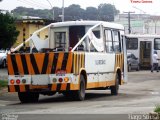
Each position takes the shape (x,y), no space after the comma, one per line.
(80,61)
(100,84)
(77,64)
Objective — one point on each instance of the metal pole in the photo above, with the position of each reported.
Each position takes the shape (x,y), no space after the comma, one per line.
(62,10)
(129,21)
(155,27)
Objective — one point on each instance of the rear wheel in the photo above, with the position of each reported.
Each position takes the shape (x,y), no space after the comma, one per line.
(115,88)
(80,94)
(28,97)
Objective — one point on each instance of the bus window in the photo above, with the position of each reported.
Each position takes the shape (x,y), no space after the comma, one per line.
(109,43)
(97,34)
(157,43)
(116,41)
(60,39)
(132,43)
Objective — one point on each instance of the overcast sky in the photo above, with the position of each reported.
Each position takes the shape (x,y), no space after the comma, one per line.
(122,5)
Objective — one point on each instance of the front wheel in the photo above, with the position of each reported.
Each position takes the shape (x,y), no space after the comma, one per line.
(28,97)
(129,68)
(138,68)
(4,64)
(115,88)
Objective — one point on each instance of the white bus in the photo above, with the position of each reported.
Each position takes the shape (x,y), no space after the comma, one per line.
(76,56)
(143,46)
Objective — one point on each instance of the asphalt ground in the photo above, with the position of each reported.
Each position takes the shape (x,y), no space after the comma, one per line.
(136,100)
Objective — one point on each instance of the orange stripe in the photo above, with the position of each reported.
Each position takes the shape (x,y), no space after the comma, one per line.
(74,86)
(59,62)
(39,60)
(38,86)
(10,66)
(63,86)
(22,88)
(27,56)
(19,65)
(12,88)
(100,84)
(69,63)
(49,68)
(54,87)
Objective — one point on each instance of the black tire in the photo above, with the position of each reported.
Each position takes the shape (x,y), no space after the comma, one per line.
(80,94)
(3,64)
(28,97)
(115,88)
(129,68)
(138,68)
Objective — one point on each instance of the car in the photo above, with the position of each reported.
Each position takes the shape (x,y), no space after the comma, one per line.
(3,58)
(132,62)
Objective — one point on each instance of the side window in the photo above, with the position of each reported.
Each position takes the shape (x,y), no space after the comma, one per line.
(109,43)
(60,39)
(116,41)
(132,43)
(157,43)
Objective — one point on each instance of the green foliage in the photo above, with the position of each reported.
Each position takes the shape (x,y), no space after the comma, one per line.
(8,32)
(104,12)
(107,12)
(157,109)
(3,83)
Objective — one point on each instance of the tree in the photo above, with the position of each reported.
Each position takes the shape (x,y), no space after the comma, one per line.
(74,12)
(91,13)
(8,32)
(107,12)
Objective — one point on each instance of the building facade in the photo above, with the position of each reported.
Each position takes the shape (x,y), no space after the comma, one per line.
(140,23)
(27,27)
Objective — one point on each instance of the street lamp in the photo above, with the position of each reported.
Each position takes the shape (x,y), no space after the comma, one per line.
(51,7)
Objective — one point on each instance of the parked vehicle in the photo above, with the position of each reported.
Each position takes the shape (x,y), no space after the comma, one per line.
(132,62)
(3,58)
(143,46)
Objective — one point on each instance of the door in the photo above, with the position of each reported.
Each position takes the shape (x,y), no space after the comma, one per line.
(145,53)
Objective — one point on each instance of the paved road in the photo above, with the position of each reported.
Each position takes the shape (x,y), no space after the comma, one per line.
(139,96)
(3,74)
